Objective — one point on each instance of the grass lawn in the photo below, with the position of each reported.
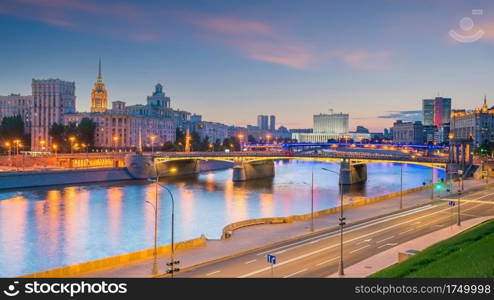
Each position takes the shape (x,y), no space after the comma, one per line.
(469,254)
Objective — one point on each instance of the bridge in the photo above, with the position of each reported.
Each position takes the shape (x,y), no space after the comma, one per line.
(252,165)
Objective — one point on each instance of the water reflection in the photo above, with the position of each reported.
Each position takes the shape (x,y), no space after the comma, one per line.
(44,228)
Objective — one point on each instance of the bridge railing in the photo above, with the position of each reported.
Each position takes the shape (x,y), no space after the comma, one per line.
(336,155)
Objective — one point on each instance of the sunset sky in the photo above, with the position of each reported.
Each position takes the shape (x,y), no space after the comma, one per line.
(232,60)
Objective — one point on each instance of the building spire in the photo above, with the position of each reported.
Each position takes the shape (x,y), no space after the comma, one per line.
(100,77)
(485,108)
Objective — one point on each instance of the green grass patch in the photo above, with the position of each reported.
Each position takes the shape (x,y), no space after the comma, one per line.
(468,254)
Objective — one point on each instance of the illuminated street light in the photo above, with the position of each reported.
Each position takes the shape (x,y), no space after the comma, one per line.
(72,140)
(342,222)
(152,137)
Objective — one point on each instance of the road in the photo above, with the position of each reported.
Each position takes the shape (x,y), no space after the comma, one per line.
(318,256)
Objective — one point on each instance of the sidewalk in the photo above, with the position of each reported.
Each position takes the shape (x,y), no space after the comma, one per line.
(389,257)
(249,238)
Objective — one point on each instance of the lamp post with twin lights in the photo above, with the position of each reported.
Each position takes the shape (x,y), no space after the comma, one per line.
(173,263)
(342,222)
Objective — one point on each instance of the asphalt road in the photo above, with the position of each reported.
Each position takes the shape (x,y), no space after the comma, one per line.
(318,256)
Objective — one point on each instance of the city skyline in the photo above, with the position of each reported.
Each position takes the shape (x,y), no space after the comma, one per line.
(219,59)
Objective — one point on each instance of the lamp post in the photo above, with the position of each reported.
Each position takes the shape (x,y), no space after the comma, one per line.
(341,224)
(172,262)
(42,143)
(401,187)
(72,139)
(312,202)
(153,137)
(460,189)
(240,138)
(115,141)
(268,137)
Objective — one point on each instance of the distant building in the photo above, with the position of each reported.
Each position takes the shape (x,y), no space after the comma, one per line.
(99,95)
(302,130)
(477,124)
(361,129)
(212,130)
(442,111)
(408,132)
(333,126)
(118,128)
(263,122)
(272,123)
(428,112)
(52,99)
(14,105)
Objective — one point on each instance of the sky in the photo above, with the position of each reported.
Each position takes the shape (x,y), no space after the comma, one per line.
(233,60)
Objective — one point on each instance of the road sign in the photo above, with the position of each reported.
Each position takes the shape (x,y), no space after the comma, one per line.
(271,259)
(452,203)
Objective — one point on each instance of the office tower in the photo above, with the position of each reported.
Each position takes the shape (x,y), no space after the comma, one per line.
(262,122)
(331,123)
(442,111)
(428,112)
(272,123)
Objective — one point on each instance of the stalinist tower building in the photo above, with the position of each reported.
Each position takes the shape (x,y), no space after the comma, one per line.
(99,96)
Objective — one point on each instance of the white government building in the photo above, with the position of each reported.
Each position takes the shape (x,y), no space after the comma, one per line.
(327,127)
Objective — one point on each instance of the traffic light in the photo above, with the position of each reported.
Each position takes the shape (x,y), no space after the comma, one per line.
(439,186)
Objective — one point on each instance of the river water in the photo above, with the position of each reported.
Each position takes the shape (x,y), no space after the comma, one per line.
(49,227)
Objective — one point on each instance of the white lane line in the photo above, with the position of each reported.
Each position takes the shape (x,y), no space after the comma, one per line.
(467,201)
(293,274)
(403,232)
(327,261)
(313,242)
(336,245)
(389,244)
(348,229)
(438,225)
(250,261)
(388,238)
(484,196)
(364,241)
(356,250)
(418,222)
(212,273)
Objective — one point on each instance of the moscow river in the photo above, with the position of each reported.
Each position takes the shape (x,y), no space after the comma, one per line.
(45,228)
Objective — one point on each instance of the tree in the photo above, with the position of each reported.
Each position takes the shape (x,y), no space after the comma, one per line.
(170,147)
(86,130)
(12,128)
(57,133)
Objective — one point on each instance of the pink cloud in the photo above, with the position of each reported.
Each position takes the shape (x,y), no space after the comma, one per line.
(256,40)
(366,60)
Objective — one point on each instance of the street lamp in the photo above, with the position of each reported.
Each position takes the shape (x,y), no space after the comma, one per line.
(342,222)
(72,139)
(153,137)
(55,148)
(115,141)
(401,187)
(42,143)
(240,138)
(268,137)
(172,262)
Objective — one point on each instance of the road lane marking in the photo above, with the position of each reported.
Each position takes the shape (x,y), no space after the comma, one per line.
(467,201)
(359,248)
(293,274)
(327,261)
(336,245)
(388,238)
(403,232)
(364,241)
(250,261)
(212,273)
(313,242)
(348,229)
(389,244)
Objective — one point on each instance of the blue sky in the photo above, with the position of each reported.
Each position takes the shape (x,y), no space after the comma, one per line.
(233,60)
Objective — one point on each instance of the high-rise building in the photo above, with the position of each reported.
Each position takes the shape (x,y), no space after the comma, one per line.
(263,122)
(272,123)
(52,99)
(428,112)
(442,111)
(99,96)
(14,105)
